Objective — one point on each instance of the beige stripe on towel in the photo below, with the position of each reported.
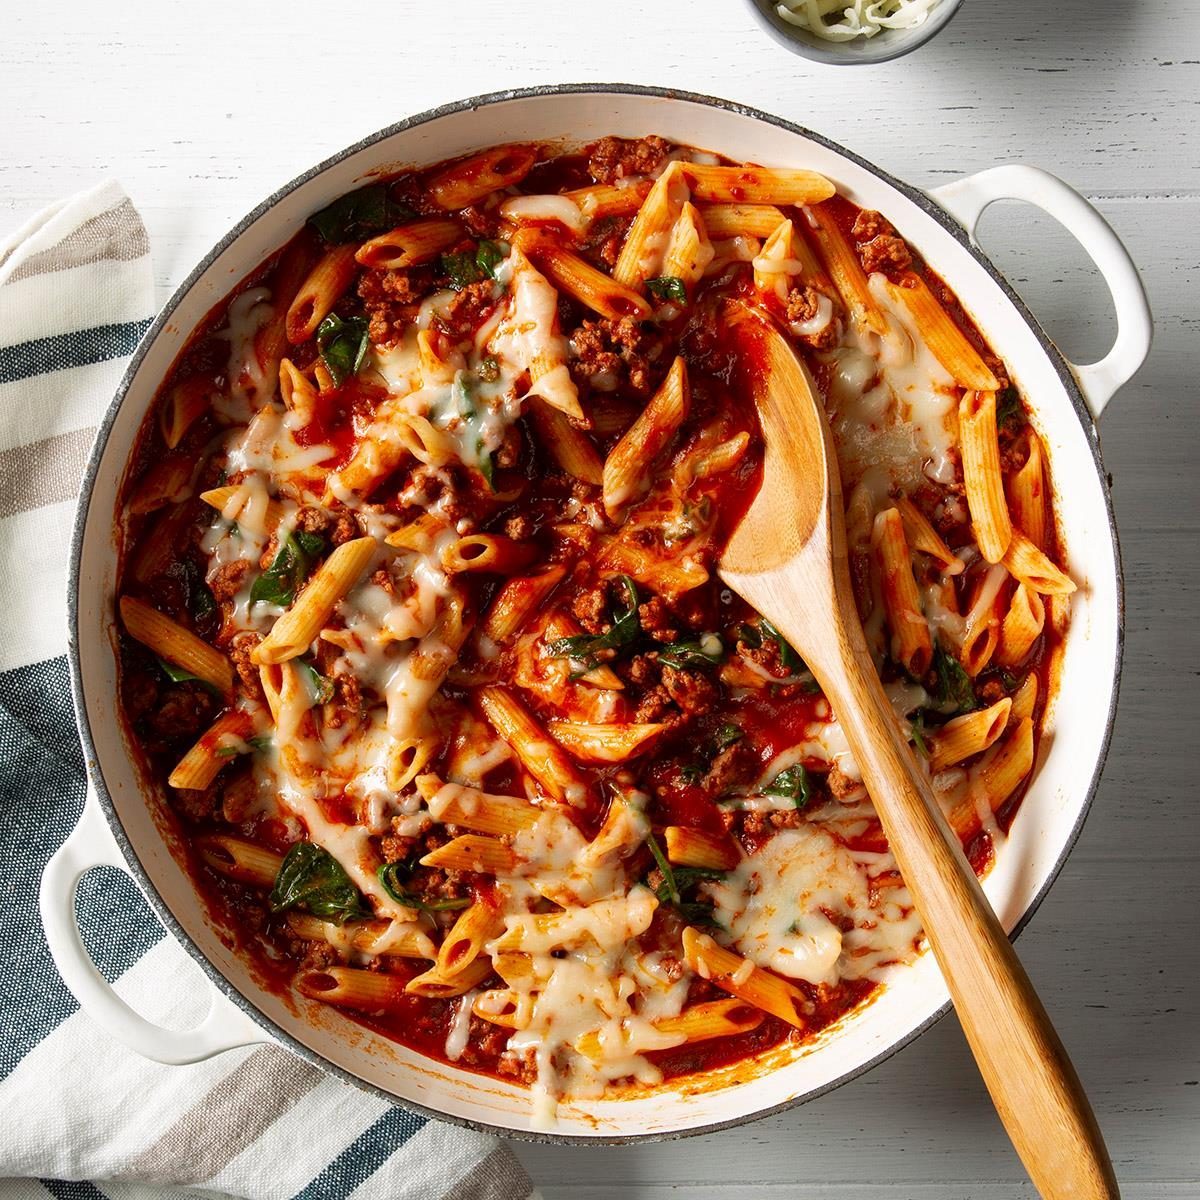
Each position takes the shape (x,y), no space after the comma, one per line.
(115,234)
(45,472)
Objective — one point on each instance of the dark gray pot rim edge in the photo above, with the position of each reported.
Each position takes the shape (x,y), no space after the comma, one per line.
(160,907)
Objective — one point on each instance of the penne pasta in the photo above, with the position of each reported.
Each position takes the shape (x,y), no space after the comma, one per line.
(376,938)
(841,262)
(690,847)
(1023,625)
(912,645)
(471,179)
(755,185)
(517,601)
(607,200)
(177,645)
(186,403)
(352,987)
(980,452)
(237,858)
(473,852)
(437,984)
(296,630)
(629,464)
(970,734)
(410,245)
(741,220)
(487,553)
(642,254)
(1027,493)
(923,537)
(1024,700)
(1031,566)
(947,343)
(567,444)
(688,250)
(463,944)
(215,749)
(319,293)
(578,278)
(539,755)
(479,811)
(755,986)
(602,743)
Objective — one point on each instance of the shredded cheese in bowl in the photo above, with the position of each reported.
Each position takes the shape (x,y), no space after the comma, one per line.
(860,18)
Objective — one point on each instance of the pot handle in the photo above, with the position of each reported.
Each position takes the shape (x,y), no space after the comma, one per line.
(91,844)
(965,200)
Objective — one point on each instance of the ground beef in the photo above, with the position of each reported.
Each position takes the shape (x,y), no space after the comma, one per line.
(590,608)
(240,650)
(653,706)
(614,352)
(396,848)
(520,528)
(140,687)
(692,691)
(485,1043)
(990,690)
(313,520)
(766,656)
(481,222)
(347,692)
(468,309)
(642,670)
(736,764)
(196,806)
(755,824)
(508,453)
(869,224)
(518,1064)
(885,253)
(227,581)
(184,711)
(383,579)
(656,620)
(840,784)
(391,300)
(997,368)
(614,158)
(345,529)
(318,956)
(803,303)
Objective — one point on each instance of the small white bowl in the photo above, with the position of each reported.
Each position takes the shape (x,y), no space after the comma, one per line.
(862,51)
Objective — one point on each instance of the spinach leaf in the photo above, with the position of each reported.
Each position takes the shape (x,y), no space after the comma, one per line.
(199,600)
(916,729)
(668,287)
(313,879)
(360,215)
(787,656)
(177,674)
(392,876)
(792,784)
(954,687)
(726,735)
(624,629)
(465,267)
(693,656)
(251,745)
(487,467)
(677,880)
(280,582)
(320,687)
(698,912)
(1009,410)
(668,890)
(343,345)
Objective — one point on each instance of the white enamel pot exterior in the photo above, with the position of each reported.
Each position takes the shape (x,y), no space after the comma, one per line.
(124,824)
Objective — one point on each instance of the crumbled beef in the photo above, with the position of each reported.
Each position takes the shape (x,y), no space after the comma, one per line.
(885,253)
(485,1043)
(642,669)
(990,690)
(736,764)
(508,453)
(391,299)
(345,529)
(396,848)
(442,486)
(313,520)
(604,239)
(590,608)
(184,711)
(140,687)
(267,557)
(481,222)
(997,368)
(767,655)
(468,309)
(518,1064)
(228,579)
(611,352)
(696,610)
(869,224)
(520,528)
(383,579)
(802,304)
(755,824)
(656,620)
(195,805)
(614,158)
(653,706)
(840,784)
(692,691)
(318,956)
(347,691)
(240,649)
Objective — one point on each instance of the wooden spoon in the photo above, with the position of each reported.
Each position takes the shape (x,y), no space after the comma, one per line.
(787,558)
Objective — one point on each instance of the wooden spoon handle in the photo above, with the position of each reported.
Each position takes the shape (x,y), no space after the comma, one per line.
(1024,1064)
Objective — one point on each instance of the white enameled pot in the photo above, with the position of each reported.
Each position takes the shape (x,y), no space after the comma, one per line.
(123,824)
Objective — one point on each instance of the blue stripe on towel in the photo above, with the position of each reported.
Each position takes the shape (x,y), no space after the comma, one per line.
(363,1157)
(72,1189)
(41,797)
(78,349)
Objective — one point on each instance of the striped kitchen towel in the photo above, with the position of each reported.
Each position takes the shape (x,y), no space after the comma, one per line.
(80,1116)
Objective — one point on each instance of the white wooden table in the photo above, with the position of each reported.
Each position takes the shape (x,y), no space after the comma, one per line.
(203,109)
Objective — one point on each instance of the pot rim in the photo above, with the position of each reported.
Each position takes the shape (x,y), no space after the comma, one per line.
(160,907)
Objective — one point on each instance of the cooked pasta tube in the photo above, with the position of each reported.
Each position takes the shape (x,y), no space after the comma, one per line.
(972,733)
(606,200)
(841,261)
(923,537)
(688,250)
(393,938)
(912,646)
(320,292)
(591,287)
(168,481)
(479,811)
(539,754)
(689,847)
(293,632)
(464,942)
(1023,625)
(1024,699)
(237,858)
(186,403)
(177,645)
(473,852)
(410,245)
(487,553)
(216,746)
(737,220)
(642,254)
(602,743)
(984,481)
(352,987)
(697,1023)
(1027,493)
(755,185)
(1031,566)
(739,976)
(471,179)
(240,504)
(629,465)
(568,445)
